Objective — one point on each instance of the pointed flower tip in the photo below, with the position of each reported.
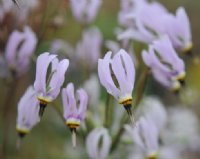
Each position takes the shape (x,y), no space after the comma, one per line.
(188,48)
(176,87)
(117,74)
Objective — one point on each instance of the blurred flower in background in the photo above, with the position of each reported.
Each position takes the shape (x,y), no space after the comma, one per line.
(19,49)
(28,109)
(121,42)
(93,141)
(85,10)
(89,48)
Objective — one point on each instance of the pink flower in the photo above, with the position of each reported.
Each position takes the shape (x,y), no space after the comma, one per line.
(19,49)
(74,113)
(28,109)
(85,53)
(145,134)
(122,67)
(85,11)
(166,66)
(74,108)
(48,88)
(179,31)
(95,137)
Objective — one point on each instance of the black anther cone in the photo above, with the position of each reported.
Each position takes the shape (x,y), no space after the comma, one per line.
(190,53)
(73,130)
(21,135)
(128,109)
(42,108)
(129,112)
(182,82)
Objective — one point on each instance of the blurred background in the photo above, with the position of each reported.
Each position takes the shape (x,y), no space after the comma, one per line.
(51,20)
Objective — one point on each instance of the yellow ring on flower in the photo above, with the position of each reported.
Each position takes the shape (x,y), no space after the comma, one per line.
(152,156)
(24,131)
(43,100)
(126,101)
(72,124)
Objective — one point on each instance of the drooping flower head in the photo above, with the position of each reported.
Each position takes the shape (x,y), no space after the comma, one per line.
(165,64)
(126,7)
(19,49)
(12,6)
(179,31)
(94,150)
(61,48)
(122,68)
(74,106)
(145,135)
(48,88)
(147,19)
(85,11)
(28,109)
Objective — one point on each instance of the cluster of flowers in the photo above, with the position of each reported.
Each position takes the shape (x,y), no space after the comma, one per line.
(7,7)
(144,21)
(32,105)
(151,23)
(155,135)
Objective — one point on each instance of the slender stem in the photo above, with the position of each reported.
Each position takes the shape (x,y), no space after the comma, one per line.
(7,107)
(141,87)
(74,138)
(107,111)
(54,106)
(140,91)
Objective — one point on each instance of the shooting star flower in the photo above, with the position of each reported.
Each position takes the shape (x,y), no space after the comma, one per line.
(117,75)
(28,109)
(86,54)
(74,108)
(94,150)
(85,11)
(48,91)
(179,31)
(147,21)
(145,135)
(19,49)
(166,66)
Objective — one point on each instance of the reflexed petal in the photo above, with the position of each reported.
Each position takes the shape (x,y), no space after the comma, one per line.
(129,67)
(42,65)
(92,143)
(29,44)
(105,75)
(184,22)
(83,97)
(11,48)
(166,51)
(58,77)
(122,72)
(28,109)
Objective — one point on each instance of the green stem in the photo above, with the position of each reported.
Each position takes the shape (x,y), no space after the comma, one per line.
(107,111)
(140,90)
(54,106)
(141,87)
